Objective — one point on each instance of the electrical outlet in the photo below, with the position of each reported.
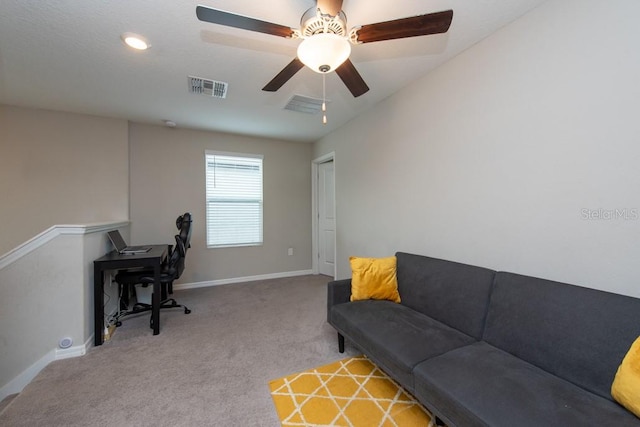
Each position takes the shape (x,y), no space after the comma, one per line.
(290,251)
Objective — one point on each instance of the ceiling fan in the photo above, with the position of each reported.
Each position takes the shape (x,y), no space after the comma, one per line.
(327,43)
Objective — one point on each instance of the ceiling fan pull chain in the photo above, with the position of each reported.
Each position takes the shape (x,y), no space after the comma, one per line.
(324,99)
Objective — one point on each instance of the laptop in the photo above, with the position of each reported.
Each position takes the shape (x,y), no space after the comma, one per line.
(121,246)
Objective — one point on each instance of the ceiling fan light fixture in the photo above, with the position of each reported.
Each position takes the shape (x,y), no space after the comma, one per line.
(324,52)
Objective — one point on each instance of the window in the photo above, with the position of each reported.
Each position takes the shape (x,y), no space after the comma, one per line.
(234,199)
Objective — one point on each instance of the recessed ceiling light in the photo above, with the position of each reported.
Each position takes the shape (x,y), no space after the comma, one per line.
(135,41)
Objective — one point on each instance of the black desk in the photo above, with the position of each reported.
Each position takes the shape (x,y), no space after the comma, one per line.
(115,261)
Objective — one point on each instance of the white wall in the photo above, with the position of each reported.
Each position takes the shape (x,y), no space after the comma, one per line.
(46,293)
(42,301)
(496,157)
(168,178)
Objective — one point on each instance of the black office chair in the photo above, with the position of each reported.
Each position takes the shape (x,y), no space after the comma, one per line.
(180,221)
(183,224)
(171,271)
(185,229)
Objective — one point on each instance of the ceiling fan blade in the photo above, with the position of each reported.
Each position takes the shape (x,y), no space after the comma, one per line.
(284,76)
(352,79)
(220,17)
(421,25)
(330,7)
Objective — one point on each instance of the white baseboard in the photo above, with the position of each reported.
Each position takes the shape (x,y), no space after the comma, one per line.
(75,351)
(18,383)
(219,282)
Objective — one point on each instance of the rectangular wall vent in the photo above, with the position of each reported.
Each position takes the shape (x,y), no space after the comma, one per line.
(304,104)
(212,88)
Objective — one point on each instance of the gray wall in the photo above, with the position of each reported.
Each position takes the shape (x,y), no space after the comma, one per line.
(55,168)
(168,178)
(59,168)
(515,155)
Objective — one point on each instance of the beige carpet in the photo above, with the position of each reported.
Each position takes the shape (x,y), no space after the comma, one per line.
(208,368)
(352,392)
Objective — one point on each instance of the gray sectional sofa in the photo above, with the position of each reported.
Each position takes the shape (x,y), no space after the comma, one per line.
(483,348)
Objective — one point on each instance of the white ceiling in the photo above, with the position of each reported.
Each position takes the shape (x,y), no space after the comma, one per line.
(67,55)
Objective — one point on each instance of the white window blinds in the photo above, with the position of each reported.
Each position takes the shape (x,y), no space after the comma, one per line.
(234,199)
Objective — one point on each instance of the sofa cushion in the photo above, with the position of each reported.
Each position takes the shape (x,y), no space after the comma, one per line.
(480,385)
(395,337)
(374,278)
(576,333)
(452,293)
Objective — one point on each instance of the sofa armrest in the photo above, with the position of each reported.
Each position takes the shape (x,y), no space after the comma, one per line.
(338,292)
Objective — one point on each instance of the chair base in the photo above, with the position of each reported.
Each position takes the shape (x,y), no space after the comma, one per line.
(142,308)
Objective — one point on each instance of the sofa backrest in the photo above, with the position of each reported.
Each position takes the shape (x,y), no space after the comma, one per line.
(453,293)
(576,333)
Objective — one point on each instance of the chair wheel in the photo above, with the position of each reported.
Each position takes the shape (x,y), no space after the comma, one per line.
(186,310)
(118,324)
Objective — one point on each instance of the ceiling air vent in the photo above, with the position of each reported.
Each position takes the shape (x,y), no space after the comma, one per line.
(304,104)
(207,87)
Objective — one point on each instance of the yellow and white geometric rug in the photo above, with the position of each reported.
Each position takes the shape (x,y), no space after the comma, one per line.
(352,392)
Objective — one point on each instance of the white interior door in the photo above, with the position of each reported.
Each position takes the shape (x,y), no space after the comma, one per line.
(326,219)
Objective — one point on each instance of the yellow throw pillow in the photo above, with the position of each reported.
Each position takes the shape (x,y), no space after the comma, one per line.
(374,278)
(626,385)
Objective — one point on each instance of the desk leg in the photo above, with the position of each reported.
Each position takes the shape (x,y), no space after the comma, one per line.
(98,304)
(155,303)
